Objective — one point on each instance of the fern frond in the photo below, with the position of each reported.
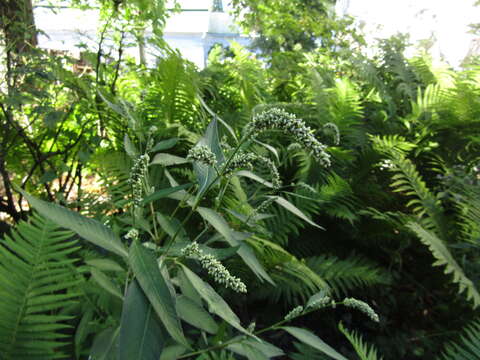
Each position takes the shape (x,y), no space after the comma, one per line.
(444,257)
(35,278)
(364,352)
(295,280)
(467,348)
(407,180)
(344,275)
(424,203)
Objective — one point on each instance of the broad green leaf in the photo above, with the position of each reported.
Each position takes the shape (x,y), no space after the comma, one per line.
(195,315)
(251,175)
(294,210)
(314,341)
(173,352)
(215,116)
(164,193)
(89,229)
(246,350)
(255,349)
(130,148)
(141,335)
(104,264)
(145,268)
(245,252)
(206,175)
(181,195)
(187,288)
(215,302)
(164,145)
(171,226)
(248,256)
(105,345)
(105,282)
(265,347)
(168,160)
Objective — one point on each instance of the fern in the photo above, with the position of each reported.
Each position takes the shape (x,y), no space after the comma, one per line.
(295,280)
(423,203)
(364,352)
(35,276)
(444,257)
(468,348)
(351,273)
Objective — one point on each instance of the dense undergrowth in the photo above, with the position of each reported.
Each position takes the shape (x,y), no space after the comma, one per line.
(262,207)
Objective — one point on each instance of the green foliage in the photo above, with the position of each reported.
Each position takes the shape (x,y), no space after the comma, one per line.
(38,281)
(106,152)
(364,352)
(468,347)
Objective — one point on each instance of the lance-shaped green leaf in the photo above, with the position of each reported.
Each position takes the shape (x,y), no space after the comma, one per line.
(172,352)
(105,282)
(165,144)
(251,175)
(89,229)
(255,350)
(294,210)
(245,252)
(168,160)
(105,265)
(195,315)
(105,345)
(162,193)
(215,302)
(206,174)
(141,335)
(314,341)
(129,147)
(145,268)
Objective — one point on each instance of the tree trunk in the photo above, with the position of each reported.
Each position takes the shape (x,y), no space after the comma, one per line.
(17,25)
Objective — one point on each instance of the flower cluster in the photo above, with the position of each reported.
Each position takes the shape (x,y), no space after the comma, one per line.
(262,207)
(320,303)
(294,313)
(279,119)
(214,268)
(139,170)
(132,234)
(245,160)
(241,160)
(361,306)
(202,154)
(275,176)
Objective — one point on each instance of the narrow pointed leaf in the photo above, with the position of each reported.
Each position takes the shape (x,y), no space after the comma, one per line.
(105,345)
(105,282)
(89,229)
(165,144)
(206,175)
(294,210)
(168,160)
(314,341)
(215,302)
(164,193)
(145,268)
(141,335)
(245,252)
(195,315)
